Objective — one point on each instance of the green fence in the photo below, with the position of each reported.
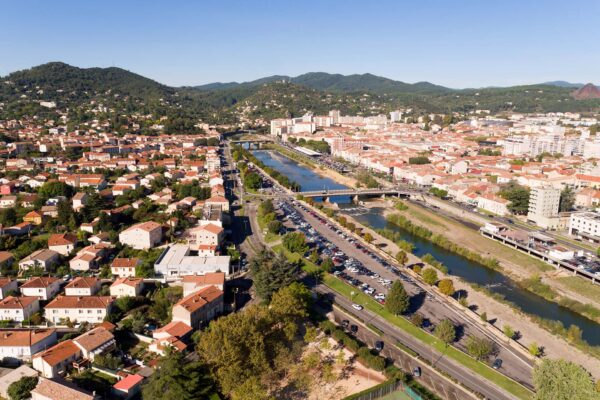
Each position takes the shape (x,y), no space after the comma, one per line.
(391,390)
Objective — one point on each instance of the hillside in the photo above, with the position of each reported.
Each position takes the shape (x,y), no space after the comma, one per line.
(275,96)
(56,78)
(586,92)
(337,83)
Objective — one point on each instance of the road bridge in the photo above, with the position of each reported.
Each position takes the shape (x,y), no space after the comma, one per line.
(326,194)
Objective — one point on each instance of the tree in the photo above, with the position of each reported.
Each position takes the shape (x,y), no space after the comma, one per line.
(271,272)
(445,331)
(479,348)
(517,195)
(295,242)
(562,380)
(417,319)
(327,265)
(179,379)
(274,227)
(397,300)
(402,257)
(446,286)
(266,207)
(21,389)
(252,181)
(368,237)
(484,316)
(574,334)
(508,331)
(430,276)
(535,350)
(54,189)
(567,199)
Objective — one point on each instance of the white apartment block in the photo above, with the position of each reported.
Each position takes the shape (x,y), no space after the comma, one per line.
(543,206)
(586,225)
(90,309)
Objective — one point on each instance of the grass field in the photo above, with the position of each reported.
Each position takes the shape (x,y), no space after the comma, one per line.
(581,286)
(464,359)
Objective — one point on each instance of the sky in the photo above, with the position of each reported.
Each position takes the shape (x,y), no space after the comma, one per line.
(455,43)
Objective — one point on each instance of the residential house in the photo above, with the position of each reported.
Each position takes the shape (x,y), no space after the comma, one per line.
(59,390)
(200,307)
(42,287)
(124,287)
(62,243)
(7,286)
(22,344)
(8,201)
(218,201)
(193,283)
(89,257)
(128,387)
(83,286)
(95,342)
(124,267)
(34,217)
(6,260)
(80,200)
(173,335)
(56,360)
(43,258)
(142,236)
(18,308)
(92,309)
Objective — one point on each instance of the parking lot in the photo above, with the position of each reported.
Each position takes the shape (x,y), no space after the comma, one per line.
(371,274)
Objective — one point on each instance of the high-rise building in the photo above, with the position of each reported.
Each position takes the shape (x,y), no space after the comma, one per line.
(543,206)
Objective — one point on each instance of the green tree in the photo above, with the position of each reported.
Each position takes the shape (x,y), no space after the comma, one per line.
(327,265)
(274,227)
(402,257)
(397,300)
(508,331)
(567,199)
(21,389)
(446,286)
(479,348)
(535,350)
(430,276)
(445,331)
(562,380)
(54,189)
(272,272)
(179,379)
(295,242)
(252,181)
(517,195)
(574,334)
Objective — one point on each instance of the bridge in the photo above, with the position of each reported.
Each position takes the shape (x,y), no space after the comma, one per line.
(356,193)
(253,142)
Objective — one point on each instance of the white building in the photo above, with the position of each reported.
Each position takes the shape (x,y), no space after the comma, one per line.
(43,287)
(543,206)
(585,225)
(124,287)
(83,286)
(92,309)
(22,344)
(179,260)
(18,308)
(142,236)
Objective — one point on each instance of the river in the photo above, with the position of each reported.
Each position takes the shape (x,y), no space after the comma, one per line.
(457,265)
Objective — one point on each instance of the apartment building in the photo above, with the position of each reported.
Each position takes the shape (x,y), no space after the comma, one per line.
(90,309)
(585,225)
(200,307)
(543,206)
(142,236)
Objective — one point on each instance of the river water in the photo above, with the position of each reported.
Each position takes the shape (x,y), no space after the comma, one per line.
(457,265)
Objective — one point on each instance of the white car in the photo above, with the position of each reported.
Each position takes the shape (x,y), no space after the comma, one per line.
(357,307)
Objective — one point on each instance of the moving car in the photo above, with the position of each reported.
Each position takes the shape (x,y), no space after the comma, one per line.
(357,307)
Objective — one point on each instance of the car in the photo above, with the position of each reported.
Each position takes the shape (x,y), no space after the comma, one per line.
(357,307)
(379,345)
(417,372)
(345,323)
(497,363)
(353,328)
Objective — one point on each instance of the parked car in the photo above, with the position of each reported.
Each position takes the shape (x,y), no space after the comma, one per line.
(417,372)
(379,345)
(497,363)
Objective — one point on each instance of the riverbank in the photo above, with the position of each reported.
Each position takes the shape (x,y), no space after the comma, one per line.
(554,346)
(515,264)
(323,172)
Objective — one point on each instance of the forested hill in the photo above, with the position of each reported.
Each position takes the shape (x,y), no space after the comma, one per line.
(337,83)
(271,97)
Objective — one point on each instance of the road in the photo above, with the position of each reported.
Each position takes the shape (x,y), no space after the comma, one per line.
(447,365)
(446,388)
(515,365)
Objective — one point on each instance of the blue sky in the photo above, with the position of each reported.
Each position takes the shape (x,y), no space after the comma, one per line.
(456,43)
